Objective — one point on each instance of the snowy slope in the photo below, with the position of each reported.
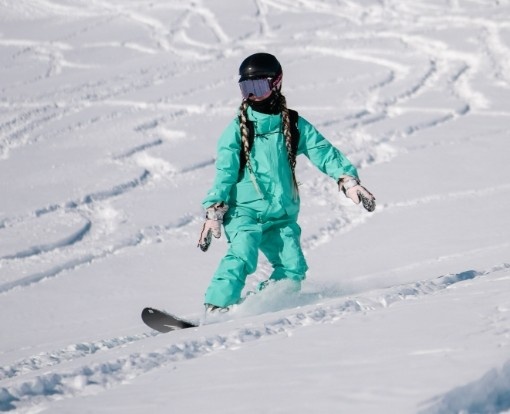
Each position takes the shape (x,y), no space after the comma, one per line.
(109,116)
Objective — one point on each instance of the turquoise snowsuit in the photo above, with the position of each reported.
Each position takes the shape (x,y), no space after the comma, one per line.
(263,218)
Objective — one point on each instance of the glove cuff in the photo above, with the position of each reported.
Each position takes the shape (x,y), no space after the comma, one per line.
(216,212)
(346,183)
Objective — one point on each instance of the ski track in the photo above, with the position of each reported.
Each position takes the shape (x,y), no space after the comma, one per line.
(147,235)
(345,223)
(45,248)
(210,21)
(69,353)
(100,376)
(442,67)
(151,234)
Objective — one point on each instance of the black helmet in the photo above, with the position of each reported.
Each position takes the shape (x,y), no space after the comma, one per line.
(260,65)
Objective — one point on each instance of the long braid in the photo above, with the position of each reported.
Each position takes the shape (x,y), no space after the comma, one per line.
(245,133)
(243,109)
(288,142)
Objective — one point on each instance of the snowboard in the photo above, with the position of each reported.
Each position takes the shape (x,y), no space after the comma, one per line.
(164,322)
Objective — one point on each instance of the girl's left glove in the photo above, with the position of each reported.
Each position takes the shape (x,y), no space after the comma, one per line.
(357,193)
(212,226)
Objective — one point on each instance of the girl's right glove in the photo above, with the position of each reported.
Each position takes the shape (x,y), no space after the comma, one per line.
(356,192)
(212,226)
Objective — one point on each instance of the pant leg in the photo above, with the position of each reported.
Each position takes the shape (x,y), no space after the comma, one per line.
(244,235)
(281,245)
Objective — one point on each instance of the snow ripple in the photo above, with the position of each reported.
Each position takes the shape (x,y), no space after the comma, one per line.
(98,376)
(69,353)
(489,394)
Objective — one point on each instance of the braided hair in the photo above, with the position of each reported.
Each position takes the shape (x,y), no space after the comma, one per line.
(243,124)
(291,155)
(243,116)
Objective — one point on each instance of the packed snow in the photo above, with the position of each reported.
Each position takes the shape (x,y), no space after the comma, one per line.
(110,112)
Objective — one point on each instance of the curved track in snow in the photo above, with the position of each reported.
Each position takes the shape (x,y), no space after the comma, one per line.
(109,115)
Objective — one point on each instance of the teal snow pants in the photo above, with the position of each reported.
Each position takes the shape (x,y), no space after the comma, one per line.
(277,239)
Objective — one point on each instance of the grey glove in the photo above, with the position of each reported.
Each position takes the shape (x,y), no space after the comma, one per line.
(212,226)
(357,193)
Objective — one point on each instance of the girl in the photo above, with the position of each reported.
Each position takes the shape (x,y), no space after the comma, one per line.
(255,194)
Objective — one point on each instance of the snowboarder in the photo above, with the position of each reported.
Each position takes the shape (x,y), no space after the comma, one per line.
(255,193)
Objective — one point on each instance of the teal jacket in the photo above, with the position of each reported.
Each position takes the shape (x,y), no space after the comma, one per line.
(270,165)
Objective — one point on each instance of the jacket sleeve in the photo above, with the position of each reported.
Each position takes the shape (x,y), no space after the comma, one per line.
(227,165)
(322,153)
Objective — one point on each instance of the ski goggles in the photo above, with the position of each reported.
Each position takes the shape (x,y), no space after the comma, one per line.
(256,87)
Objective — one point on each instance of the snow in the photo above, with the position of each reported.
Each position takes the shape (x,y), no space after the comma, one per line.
(109,116)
